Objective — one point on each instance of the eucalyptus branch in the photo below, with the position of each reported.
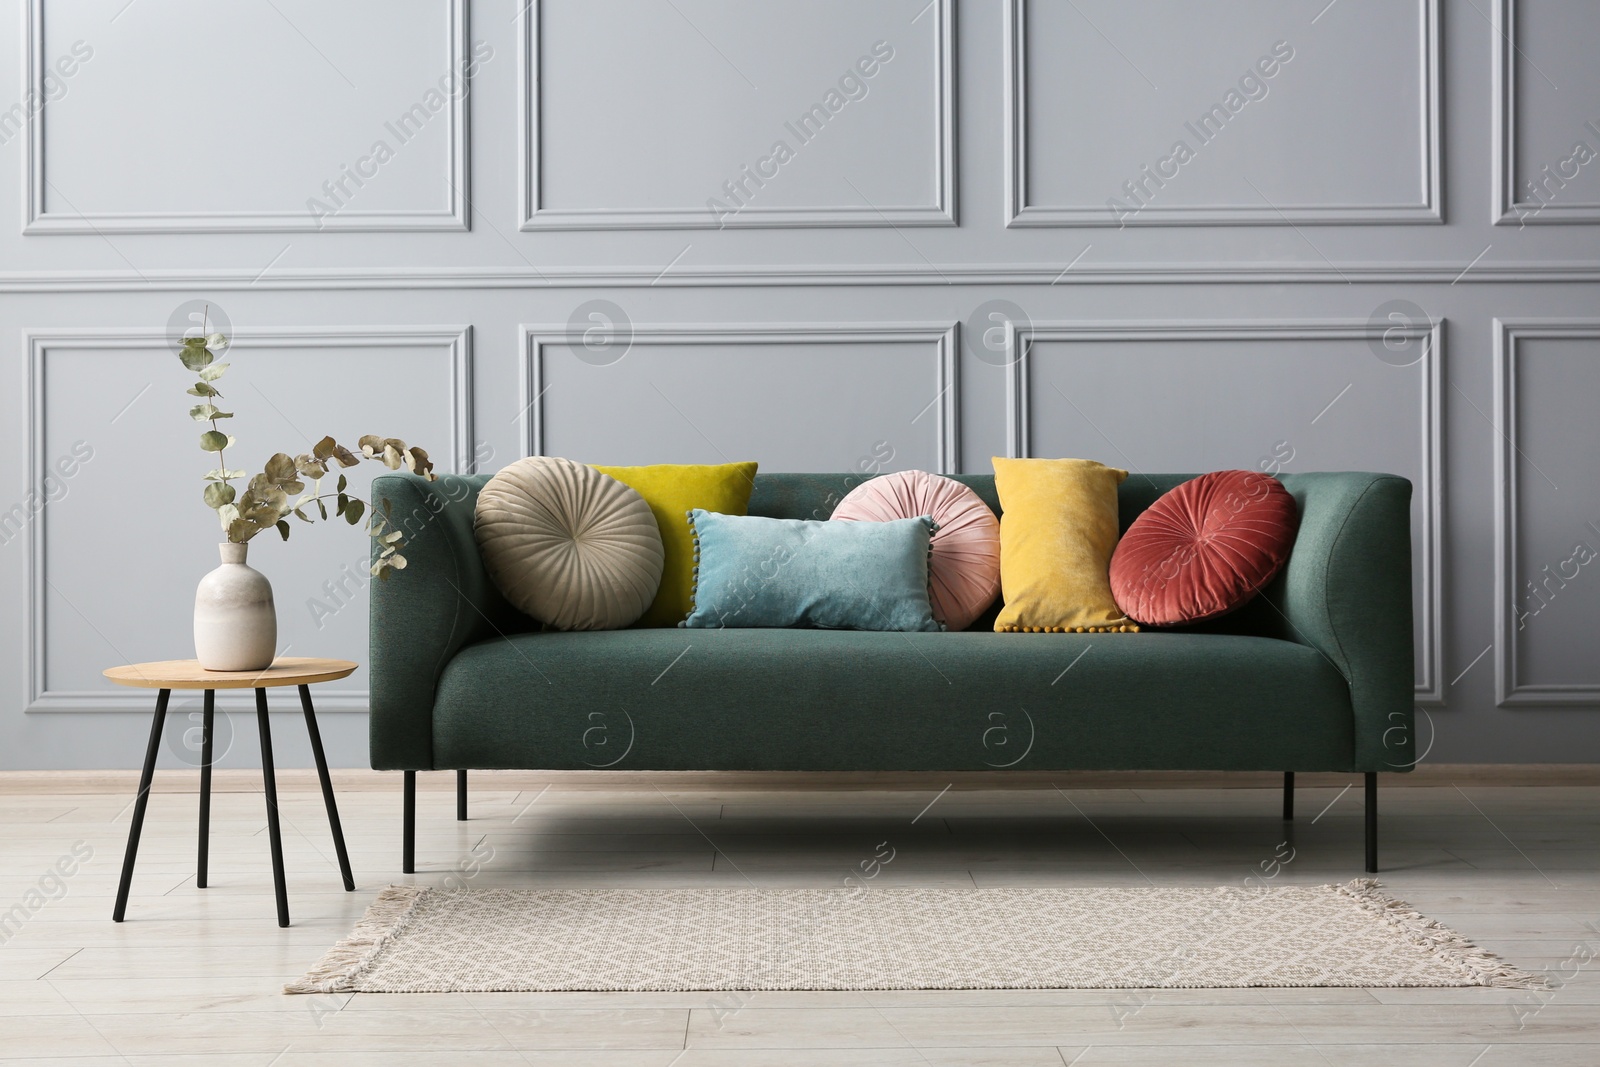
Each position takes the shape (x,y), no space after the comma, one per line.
(266,501)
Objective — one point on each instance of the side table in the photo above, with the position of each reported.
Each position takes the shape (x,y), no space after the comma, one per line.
(301,671)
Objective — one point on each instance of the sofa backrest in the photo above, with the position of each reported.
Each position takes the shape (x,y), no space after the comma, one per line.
(814,496)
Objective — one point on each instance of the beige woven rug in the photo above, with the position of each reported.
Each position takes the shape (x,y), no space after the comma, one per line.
(417,940)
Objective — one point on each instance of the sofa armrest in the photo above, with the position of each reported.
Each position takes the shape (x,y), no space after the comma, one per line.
(421,616)
(1346,592)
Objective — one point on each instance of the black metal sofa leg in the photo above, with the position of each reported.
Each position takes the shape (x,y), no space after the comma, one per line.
(408,825)
(1372,822)
(461,796)
(1288,796)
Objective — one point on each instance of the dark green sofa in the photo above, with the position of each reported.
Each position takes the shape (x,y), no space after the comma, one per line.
(1314,675)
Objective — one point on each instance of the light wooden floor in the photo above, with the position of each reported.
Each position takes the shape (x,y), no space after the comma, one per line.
(193,976)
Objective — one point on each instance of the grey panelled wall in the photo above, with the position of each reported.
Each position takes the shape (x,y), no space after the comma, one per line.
(827,235)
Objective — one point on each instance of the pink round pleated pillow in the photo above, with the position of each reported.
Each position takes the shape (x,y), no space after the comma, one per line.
(1204,548)
(964,572)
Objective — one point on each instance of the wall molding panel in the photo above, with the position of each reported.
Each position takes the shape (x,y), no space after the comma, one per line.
(535,216)
(1430,424)
(1020,211)
(941,336)
(602,148)
(1509,209)
(1510,690)
(1465,272)
(457,217)
(455,341)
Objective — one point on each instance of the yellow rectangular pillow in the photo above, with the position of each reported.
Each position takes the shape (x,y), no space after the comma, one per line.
(671,490)
(1058,528)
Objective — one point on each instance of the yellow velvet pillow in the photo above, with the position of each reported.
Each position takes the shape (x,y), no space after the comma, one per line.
(671,489)
(1058,527)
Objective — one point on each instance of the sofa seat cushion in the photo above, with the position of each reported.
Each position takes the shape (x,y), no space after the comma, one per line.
(819,700)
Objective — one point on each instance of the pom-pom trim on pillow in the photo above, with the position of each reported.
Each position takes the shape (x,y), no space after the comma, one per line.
(1125,628)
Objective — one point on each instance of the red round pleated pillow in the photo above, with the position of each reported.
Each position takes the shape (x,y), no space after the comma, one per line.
(1204,549)
(964,557)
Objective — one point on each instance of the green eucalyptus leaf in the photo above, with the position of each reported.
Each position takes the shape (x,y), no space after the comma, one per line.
(265,500)
(280,468)
(202,389)
(322,506)
(343,502)
(344,483)
(218,494)
(324,448)
(214,441)
(345,457)
(283,529)
(241,530)
(216,340)
(353,511)
(398,562)
(211,372)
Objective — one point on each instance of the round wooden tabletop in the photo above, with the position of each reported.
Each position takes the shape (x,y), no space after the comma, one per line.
(188,674)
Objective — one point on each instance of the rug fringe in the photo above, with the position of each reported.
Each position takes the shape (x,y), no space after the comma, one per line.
(1438,939)
(336,972)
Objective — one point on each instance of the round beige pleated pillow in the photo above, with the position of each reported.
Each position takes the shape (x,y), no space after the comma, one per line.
(574,548)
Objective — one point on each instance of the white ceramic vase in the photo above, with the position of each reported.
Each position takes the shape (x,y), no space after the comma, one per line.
(235,623)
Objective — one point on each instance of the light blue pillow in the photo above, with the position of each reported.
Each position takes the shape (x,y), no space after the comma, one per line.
(752,571)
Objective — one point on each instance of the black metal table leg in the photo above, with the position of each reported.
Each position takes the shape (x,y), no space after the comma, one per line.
(1288,796)
(327,788)
(139,804)
(408,824)
(461,796)
(207,719)
(269,780)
